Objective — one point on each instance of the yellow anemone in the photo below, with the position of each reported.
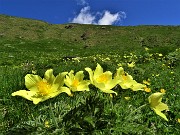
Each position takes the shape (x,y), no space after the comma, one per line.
(102,80)
(156,104)
(76,82)
(131,65)
(126,81)
(43,89)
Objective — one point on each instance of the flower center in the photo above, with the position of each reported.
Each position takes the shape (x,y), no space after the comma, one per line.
(124,77)
(75,83)
(102,78)
(44,88)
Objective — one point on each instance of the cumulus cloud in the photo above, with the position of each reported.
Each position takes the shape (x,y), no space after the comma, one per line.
(84,17)
(99,18)
(109,19)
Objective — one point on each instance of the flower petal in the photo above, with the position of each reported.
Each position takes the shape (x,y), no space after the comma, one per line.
(112,83)
(25,94)
(37,100)
(79,76)
(71,74)
(90,74)
(98,71)
(160,114)
(68,81)
(161,107)
(125,85)
(29,95)
(31,81)
(108,75)
(49,76)
(101,86)
(66,90)
(53,94)
(119,72)
(155,99)
(138,86)
(83,86)
(60,79)
(109,91)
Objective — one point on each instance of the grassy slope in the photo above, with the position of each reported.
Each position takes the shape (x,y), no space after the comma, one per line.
(30,44)
(31,35)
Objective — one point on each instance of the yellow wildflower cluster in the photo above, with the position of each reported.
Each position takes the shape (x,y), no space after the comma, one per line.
(41,89)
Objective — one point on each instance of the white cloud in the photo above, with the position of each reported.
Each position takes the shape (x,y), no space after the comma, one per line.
(84,17)
(109,19)
(105,18)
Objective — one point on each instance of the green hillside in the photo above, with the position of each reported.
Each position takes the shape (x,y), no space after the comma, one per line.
(25,29)
(28,46)
(32,35)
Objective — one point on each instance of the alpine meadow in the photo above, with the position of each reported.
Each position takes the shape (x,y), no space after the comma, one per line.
(75,79)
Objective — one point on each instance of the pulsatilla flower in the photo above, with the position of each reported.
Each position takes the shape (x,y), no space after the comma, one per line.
(126,81)
(43,89)
(156,104)
(102,80)
(76,82)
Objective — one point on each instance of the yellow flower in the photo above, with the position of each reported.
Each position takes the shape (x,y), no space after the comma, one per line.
(131,65)
(160,55)
(146,48)
(146,82)
(127,98)
(162,90)
(76,82)
(178,120)
(76,59)
(172,72)
(46,123)
(108,58)
(43,89)
(119,65)
(102,80)
(146,89)
(111,95)
(34,71)
(156,104)
(126,81)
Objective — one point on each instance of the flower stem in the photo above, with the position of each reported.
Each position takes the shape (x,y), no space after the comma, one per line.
(53,117)
(137,109)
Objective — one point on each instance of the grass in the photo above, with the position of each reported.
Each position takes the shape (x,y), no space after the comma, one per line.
(43,46)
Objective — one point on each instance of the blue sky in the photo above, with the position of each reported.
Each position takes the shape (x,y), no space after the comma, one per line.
(99,12)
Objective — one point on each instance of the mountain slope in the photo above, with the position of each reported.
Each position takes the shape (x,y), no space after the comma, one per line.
(19,28)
